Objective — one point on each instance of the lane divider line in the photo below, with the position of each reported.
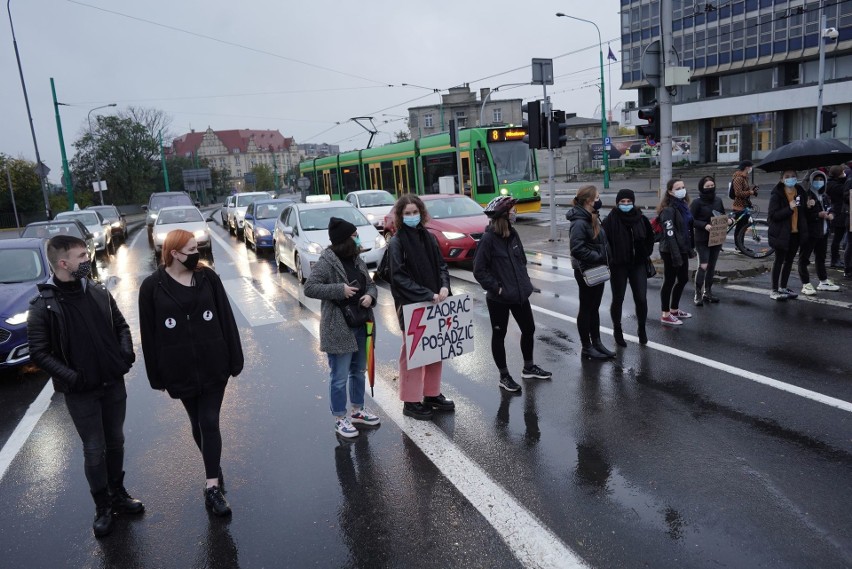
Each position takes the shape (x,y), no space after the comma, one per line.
(25,427)
(532,542)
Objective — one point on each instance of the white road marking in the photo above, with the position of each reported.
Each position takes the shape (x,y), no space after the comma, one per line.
(253,306)
(22,432)
(817,299)
(530,541)
(548,277)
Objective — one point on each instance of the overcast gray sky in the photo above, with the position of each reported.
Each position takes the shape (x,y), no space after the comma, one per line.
(299,68)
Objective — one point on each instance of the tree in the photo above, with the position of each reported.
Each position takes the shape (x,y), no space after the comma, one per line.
(154,121)
(25,183)
(264,177)
(402,136)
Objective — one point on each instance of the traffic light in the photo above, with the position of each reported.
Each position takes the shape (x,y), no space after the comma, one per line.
(829,120)
(650,131)
(558,129)
(452,127)
(532,123)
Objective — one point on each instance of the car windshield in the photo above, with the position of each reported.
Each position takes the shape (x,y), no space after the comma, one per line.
(109,212)
(269,210)
(20,265)
(375,199)
(243,200)
(87,218)
(48,230)
(159,202)
(452,207)
(317,219)
(188,215)
(512,160)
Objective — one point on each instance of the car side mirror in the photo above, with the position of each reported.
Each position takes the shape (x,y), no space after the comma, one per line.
(122,216)
(197,204)
(144,208)
(287,230)
(249,216)
(209,218)
(105,223)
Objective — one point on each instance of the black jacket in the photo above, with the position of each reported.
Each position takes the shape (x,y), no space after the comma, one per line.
(587,251)
(818,227)
(48,337)
(623,251)
(702,211)
(404,289)
(188,349)
(674,240)
(834,191)
(779,217)
(502,264)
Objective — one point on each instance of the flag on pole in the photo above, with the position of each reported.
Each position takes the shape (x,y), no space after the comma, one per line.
(611,56)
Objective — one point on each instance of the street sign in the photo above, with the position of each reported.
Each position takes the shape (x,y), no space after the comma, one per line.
(607,141)
(542,71)
(42,170)
(303,183)
(651,63)
(98,186)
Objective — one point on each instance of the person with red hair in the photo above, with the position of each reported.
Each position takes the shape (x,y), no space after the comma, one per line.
(192,346)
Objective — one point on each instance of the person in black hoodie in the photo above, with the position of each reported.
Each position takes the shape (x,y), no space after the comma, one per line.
(588,250)
(788,228)
(500,266)
(819,217)
(837,182)
(71,320)
(191,345)
(631,241)
(676,248)
(703,210)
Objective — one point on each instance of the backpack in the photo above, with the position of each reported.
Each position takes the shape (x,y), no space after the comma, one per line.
(731,193)
(658,230)
(383,271)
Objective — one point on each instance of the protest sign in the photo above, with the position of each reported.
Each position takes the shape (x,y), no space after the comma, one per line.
(719,231)
(435,332)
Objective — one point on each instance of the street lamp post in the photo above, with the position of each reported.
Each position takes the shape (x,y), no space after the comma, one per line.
(95,155)
(488,96)
(603,97)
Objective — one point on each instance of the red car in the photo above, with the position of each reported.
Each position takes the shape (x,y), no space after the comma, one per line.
(457,221)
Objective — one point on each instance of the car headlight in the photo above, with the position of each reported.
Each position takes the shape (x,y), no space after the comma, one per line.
(314,248)
(116,224)
(199,233)
(504,192)
(452,235)
(261,232)
(97,234)
(380,242)
(371,217)
(152,217)
(18,318)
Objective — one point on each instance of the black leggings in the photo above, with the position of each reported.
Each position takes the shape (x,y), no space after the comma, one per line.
(704,277)
(589,318)
(637,276)
(839,233)
(499,314)
(203,411)
(817,247)
(674,281)
(784,262)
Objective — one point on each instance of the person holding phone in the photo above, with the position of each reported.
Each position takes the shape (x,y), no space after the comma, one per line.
(788,229)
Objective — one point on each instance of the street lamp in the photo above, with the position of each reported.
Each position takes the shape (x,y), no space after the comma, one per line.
(95,155)
(603,97)
(488,96)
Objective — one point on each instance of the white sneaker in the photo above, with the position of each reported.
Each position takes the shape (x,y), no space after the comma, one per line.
(344,428)
(808,290)
(828,285)
(364,417)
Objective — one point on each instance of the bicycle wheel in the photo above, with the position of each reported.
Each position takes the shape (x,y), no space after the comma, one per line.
(753,241)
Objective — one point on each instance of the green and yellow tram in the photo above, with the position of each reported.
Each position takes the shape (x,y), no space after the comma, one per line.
(494,161)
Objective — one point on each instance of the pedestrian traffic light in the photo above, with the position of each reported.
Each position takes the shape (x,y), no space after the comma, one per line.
(558,129)
(532,123)
(650,131)
(829,120)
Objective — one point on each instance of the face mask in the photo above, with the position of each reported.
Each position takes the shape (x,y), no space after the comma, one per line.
(818,184)
(597,205)
(411,220)
(680,194)
(625,207)
(708,192)
(357,241)
(82,271)
(790,182)
(191,261)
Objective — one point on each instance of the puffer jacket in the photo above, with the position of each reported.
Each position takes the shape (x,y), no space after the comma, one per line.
(48,337)
(587,251)
(779,215)
(326,282)
(188,349)
(818,227)
(674,239)
(502,264)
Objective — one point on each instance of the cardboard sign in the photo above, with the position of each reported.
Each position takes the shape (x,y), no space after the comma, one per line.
(719,231)
(436,332)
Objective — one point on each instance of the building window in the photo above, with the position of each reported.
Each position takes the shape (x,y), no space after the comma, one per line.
(497,114)
(239,173)
(427,121)
(461,119)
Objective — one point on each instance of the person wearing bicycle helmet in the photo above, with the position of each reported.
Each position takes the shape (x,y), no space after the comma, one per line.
(500,266)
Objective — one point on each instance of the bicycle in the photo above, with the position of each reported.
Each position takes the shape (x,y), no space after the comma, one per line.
(751,235)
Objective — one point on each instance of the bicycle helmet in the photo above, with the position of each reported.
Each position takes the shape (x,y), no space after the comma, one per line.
(501,205)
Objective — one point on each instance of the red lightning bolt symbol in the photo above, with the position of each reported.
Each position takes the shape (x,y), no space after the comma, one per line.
(416,329)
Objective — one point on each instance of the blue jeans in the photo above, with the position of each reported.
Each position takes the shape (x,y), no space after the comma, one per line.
(351,366)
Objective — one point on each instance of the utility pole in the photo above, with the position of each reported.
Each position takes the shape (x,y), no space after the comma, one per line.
(12,196)
(163,162)
(822,25)
(69,187)
(664,98)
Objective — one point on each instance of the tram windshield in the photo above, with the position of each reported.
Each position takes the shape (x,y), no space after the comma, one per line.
(512,161)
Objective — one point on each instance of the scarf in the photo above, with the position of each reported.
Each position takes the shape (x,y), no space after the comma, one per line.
(626,234)
(687,218)
(422,258)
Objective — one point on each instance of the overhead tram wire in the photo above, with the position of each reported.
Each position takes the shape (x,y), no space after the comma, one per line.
(258,94)
(225,42)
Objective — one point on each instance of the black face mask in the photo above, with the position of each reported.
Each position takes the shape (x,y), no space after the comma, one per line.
(708,193)
(597,205)
(191,261)
(82,271)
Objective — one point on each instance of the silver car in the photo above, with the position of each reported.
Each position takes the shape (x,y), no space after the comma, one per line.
(375,204)
(301,234)
(97,226)
(185,217)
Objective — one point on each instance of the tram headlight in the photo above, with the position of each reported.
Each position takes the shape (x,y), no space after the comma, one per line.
(536,188)
(504,191)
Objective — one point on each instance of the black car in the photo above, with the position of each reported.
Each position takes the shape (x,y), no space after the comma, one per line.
(116,219)
(159,200)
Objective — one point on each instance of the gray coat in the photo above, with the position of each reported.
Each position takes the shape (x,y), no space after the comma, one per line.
(326,282)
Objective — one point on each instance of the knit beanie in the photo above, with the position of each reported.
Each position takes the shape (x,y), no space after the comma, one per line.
(625,194)
(339,230)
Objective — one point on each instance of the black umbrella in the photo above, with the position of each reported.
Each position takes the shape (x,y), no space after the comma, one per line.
(806,154)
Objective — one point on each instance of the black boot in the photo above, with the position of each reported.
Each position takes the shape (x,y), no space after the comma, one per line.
(619,336)
(643,335)
(417,410)
(216,502)
(121,500)
(439,403)
(222,482)
(591,353)
(103,513)
(602,349)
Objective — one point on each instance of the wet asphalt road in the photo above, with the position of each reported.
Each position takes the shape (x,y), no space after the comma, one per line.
(655,459)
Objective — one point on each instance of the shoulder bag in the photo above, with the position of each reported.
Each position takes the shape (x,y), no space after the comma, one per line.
(597,275)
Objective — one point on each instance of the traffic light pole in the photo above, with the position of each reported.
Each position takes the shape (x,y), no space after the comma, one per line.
(664,98)
(551,165)
(822,25)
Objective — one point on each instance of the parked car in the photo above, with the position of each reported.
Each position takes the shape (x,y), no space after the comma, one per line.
(260,222)
(97,226)
(456,221)
(301,234)
(236,210)
(188,218)
(23,266)
(117,220)
(46,229)
(375,204)
(159,200)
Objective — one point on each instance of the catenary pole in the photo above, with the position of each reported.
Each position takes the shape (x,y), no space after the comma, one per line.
(69,187)
(664,98)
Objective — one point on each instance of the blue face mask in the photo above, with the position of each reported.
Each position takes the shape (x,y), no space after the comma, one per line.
(790,182)
(625,207)
(411,220)
(357,241)
(818,184)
